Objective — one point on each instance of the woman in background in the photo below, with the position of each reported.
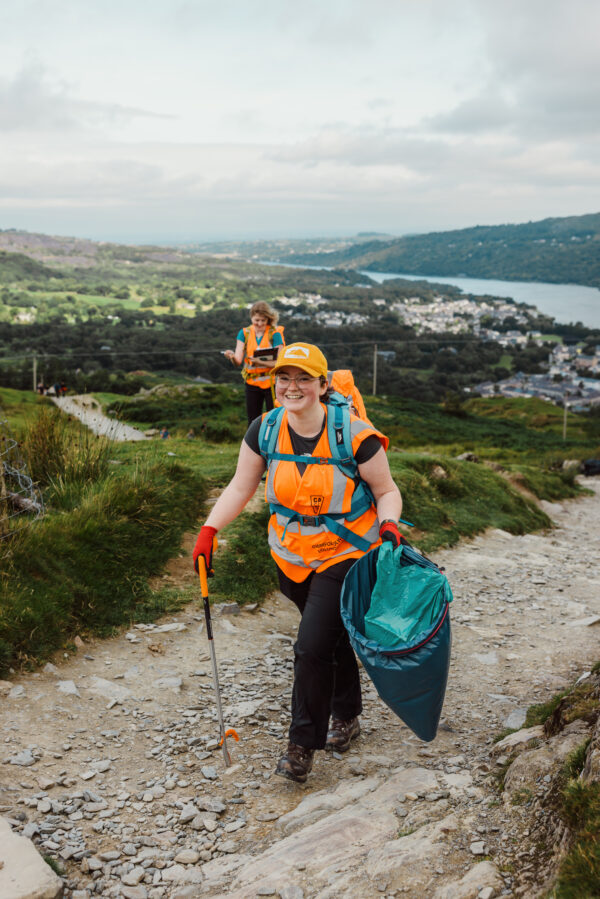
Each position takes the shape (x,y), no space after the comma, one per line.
(262,334)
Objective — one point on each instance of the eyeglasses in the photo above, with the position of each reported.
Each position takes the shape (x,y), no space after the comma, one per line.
(301,381)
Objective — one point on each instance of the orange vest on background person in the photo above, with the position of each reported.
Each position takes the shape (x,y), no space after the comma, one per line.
(298,547)
(258,377)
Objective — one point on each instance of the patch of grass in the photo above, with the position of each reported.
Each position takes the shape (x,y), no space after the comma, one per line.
(538,714)
(470,499)
(20,406)
(165,601)
(550,485)
(575,761)
(579,872)
(214,463)
(88,570)
(498,776)
(61,454)
(521,797)
(509,430)
(504,733)
(215,412)
(244,569)
(53,863)
(581,702)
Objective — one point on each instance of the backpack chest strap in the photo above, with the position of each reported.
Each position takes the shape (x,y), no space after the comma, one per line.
(311,460)
(331,521)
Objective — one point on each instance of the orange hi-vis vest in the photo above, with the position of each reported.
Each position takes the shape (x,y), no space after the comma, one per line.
(311,512)
(259,377)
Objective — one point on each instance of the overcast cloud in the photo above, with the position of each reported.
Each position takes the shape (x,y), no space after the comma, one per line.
(159,120)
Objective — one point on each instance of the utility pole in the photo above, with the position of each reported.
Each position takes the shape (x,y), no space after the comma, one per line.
(34,372)
(374,369)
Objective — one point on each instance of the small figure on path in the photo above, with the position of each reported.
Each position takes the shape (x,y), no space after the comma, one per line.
(322,520)
(164,433)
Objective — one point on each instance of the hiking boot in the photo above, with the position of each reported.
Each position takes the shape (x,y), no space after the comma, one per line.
(341,733)
(296,763)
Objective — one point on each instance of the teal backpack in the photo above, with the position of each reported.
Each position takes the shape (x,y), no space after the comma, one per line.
(340,441)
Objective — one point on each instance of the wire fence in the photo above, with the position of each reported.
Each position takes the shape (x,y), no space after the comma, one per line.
(21,502)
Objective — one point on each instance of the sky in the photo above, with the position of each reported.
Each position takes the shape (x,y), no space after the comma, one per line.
(183,120)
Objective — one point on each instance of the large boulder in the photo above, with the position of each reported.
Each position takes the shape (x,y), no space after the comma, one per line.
(23,872)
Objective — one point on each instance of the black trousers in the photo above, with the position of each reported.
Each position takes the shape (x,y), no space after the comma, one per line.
(255,397)
(326,678)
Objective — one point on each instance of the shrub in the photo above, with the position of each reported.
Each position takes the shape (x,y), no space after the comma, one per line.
(58,454)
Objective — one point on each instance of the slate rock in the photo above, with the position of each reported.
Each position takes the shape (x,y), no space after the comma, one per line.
(25,759)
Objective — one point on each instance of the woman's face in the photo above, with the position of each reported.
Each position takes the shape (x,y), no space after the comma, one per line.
(259,321)
(296,390)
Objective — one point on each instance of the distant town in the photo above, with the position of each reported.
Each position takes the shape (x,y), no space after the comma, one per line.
(572,376)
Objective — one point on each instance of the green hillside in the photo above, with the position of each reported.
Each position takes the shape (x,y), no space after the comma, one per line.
(559,250)
(19,267)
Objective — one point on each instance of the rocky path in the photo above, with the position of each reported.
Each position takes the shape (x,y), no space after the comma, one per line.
(88,410)
(110,763)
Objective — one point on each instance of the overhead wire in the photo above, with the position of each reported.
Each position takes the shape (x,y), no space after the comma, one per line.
(323,343)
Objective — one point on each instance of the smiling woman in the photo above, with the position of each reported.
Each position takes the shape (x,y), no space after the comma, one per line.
(325,513)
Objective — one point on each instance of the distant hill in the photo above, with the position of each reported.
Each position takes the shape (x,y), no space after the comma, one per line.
(19,267)
(559,250)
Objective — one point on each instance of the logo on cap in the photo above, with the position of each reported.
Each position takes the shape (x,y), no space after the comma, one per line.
(296,352)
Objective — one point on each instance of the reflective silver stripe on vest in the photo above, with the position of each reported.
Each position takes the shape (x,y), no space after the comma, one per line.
(283,552)
(335,506)
(287,555)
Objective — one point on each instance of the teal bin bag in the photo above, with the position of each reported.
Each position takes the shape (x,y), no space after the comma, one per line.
(411,673)
(406,599)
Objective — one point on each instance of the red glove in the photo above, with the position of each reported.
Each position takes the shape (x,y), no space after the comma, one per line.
(204,547)
(388,530)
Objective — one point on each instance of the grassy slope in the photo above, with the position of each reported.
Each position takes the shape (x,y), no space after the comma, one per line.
(107,538)
(107,529)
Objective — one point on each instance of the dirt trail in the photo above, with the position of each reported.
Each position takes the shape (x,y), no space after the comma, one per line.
(110,761)
(88,410)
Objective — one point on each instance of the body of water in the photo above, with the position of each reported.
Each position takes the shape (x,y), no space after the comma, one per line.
(564,302)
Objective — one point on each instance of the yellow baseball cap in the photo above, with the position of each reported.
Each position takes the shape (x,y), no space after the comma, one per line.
(306,356)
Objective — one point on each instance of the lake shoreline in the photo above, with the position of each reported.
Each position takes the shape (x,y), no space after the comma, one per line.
(565,303)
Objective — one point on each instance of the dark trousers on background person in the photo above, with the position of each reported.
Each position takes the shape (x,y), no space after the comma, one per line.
(255,397)
(326,678)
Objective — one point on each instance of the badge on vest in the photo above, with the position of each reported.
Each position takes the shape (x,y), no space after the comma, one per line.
(316,503)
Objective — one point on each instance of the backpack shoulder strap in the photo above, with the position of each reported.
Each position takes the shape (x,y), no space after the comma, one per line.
(338,434)
(269,432)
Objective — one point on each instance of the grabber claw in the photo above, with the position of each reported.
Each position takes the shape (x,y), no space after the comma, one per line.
(229,733)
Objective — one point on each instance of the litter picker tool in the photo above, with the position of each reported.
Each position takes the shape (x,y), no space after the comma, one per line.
(213,657)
